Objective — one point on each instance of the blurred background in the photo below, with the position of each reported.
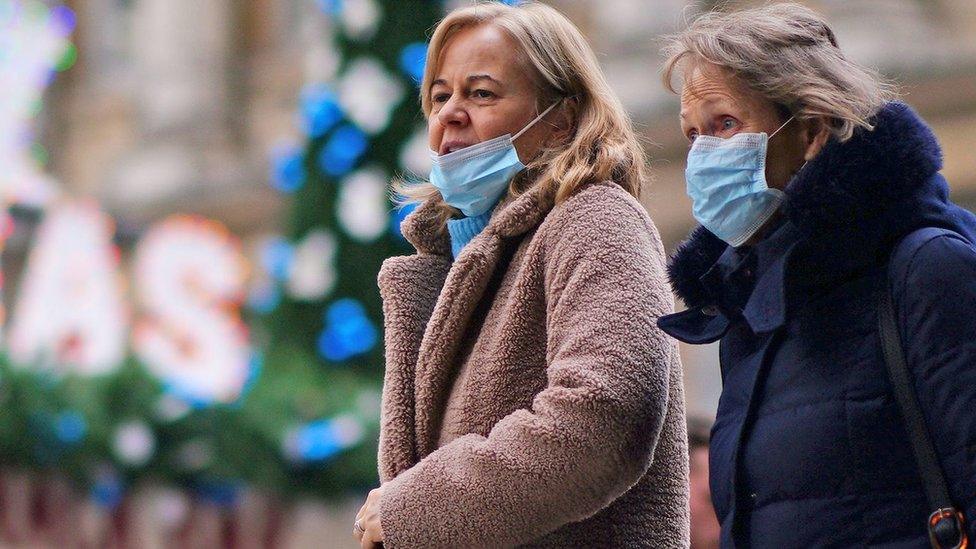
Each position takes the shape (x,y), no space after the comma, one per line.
(197,206)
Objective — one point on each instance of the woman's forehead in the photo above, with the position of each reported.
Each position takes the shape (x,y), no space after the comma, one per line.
(704,81)
(710,86)
(477,50)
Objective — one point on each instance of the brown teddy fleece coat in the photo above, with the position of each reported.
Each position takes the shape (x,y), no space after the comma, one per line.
(567,425)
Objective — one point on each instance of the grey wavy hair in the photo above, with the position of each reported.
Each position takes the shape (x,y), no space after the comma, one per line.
(787,53)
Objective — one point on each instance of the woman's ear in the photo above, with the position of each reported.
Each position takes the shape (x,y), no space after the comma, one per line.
(816,132)
(566,118)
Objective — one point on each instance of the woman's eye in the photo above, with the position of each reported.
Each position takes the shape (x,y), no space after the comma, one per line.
(692,135)
(482,94)
(441,97)
(728,123)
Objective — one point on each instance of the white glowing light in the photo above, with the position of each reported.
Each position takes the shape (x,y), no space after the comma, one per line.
(368,94)
(363,205)
(313,275)
(32,42)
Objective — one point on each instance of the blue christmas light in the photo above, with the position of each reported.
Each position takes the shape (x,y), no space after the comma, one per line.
(276,257)
(49,77)
(413,58)
(323,439)
(316,442)
(343,149)
(348,332)
(220,493)
(320,110)
(287,169)
(344,309)
(255,368)
(64,18)
(398,215)
(187,395)
(197,400)
(107,490)
(330,7)
(70,428)
(264,298)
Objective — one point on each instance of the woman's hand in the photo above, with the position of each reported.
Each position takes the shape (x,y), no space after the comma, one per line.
(368,529)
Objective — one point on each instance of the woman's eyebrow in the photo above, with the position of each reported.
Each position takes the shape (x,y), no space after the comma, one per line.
(470,78)
(478,77)
(711,105)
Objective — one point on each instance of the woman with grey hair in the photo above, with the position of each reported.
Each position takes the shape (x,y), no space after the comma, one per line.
(826,236)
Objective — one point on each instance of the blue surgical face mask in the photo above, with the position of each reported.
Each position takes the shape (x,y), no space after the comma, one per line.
(474,178)
(727,185)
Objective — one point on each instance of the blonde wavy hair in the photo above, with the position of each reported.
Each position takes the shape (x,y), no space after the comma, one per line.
(601,145)
(787,53)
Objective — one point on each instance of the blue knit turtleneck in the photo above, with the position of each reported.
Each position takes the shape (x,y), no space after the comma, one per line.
(464,229)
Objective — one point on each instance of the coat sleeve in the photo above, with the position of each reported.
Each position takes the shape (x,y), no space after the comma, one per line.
(591,433)
(409,287)
(935,293)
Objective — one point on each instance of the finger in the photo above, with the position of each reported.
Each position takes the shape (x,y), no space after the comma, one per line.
(359,529)
(373,532)
(370,524)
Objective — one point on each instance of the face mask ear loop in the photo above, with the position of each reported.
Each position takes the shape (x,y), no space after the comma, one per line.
(536,119)
(781,127)
(798,172)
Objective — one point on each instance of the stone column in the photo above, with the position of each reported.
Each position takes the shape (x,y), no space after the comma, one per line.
(181,54)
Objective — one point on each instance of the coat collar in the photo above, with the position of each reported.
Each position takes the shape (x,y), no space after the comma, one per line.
(752,286)
(841,211)
(514,216)
(463,290)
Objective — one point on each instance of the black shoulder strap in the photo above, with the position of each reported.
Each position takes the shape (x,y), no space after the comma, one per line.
(936,490)
(945,524)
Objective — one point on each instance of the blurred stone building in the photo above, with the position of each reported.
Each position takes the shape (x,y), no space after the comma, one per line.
(175,104)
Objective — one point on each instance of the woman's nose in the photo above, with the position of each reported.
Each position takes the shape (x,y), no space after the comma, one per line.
(453,114)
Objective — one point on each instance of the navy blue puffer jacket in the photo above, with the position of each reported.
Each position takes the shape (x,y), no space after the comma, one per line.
(808,447)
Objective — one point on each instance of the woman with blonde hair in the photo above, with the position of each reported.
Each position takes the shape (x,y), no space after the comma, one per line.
(529,398)
(841,282)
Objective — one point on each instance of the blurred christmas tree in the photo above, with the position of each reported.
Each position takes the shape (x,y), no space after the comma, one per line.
(193,403)
(320,302)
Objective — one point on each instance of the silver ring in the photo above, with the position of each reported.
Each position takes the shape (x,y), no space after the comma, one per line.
(358,527)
